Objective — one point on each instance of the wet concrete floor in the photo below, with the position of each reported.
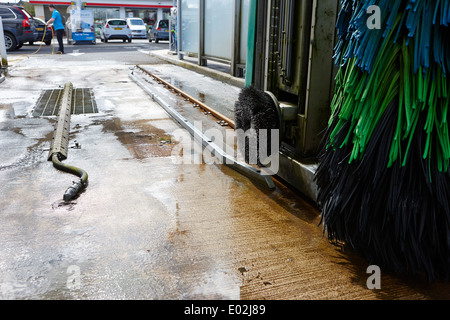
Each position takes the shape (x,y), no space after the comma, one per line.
(148,227)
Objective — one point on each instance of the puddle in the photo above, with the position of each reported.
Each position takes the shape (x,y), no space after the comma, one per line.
(6,112)
(69,206)
(34,153)
(141,138)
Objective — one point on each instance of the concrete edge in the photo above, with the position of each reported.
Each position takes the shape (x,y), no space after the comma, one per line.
(218,75)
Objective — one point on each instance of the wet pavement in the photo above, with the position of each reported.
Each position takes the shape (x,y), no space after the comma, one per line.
(147,226)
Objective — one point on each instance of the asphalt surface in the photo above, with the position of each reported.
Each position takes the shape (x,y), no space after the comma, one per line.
(149,226)
(111,46)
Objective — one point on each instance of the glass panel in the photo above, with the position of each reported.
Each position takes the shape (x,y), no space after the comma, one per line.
(39,22)
(219,28)
(112,14)
(6,14)
(189,25)
(164,24)
(26,13)
(137,22)
(117,22)
(245,11)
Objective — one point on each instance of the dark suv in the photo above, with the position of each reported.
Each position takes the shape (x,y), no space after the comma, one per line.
(18,26)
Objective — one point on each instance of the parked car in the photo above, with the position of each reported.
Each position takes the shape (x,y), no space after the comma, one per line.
(18,26)
(39,34)
(138,28)
(115,29)
(160,31)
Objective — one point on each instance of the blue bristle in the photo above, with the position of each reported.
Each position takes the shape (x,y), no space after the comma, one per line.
(423,22)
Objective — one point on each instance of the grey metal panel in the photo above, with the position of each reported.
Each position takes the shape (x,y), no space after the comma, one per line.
(289,39)
(320,79)
(299,175)
(261,53)
(235,45)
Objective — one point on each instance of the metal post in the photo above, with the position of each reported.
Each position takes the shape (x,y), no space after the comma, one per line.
(250,64)
(268,47)
(201,35)
(287,59)
(236,43)
(3,56)
(179,35)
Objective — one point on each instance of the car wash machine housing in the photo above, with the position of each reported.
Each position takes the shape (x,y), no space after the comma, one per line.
(289,57)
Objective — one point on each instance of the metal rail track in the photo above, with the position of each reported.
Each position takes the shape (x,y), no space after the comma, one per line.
(196,102)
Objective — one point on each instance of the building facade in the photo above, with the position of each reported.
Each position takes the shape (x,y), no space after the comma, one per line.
(149,11)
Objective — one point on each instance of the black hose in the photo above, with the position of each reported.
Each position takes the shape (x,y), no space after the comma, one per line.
(77,186)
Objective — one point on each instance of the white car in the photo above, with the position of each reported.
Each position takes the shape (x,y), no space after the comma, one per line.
(138,28)
(115,29)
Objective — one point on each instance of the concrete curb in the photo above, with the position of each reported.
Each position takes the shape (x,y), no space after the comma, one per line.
(2,78)
(215,74)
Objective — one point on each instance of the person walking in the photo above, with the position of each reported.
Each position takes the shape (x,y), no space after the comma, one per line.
(59,27)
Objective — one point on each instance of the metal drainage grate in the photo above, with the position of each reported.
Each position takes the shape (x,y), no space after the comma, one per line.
(83,102)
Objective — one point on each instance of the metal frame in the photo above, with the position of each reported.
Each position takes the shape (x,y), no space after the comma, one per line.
(236,44)
(202,61)
(320,81)
(315,86)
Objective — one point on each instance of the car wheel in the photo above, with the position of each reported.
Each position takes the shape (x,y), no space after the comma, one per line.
(20,45)
(124,40)
(31,43)
(48,42)
(156,40)
(10,42)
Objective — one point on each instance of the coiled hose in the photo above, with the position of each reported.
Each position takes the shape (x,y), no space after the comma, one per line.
(77,186)
(40,46)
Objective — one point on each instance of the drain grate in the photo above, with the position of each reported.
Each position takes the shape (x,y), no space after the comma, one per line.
(83,102)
